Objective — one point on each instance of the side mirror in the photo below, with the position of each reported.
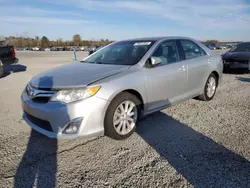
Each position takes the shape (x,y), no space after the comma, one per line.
(153,61)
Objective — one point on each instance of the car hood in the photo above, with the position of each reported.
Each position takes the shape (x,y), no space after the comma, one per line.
(233,55)
(75,75)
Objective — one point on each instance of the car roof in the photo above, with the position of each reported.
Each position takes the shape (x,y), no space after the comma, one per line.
(157,38)
(244,43)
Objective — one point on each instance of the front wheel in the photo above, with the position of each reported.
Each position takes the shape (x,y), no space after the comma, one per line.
(121,116)
(210,88)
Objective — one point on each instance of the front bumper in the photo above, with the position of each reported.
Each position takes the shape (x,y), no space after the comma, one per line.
(58,115)
(232,63)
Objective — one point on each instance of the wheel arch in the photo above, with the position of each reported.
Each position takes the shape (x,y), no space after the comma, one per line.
(217,76)
(108,129)
(133,92)
(137,94)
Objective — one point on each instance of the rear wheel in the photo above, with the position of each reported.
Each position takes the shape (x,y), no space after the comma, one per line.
(210,88)
(121,116)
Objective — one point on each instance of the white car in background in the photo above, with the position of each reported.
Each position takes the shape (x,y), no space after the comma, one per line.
(223,47)
(82,48)
(35,49)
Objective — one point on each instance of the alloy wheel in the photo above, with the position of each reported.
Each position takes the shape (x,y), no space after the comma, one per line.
(125,117)
(211,87)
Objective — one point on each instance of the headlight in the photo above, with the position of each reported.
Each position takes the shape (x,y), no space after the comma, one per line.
(68,96)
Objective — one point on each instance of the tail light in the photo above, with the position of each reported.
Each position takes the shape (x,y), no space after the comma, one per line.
(13,52)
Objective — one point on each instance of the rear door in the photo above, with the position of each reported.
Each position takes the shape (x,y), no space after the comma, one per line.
(197,62)
(165,82)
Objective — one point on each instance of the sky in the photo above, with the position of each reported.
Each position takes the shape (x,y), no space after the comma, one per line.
(224,20)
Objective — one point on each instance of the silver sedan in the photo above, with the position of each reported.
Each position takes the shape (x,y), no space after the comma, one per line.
(107,92)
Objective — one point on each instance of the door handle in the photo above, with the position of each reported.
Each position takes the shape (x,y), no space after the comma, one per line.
(183,68)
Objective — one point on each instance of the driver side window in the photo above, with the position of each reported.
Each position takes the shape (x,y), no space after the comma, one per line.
(167,52)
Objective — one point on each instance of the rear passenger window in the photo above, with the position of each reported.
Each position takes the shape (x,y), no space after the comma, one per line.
(192,50)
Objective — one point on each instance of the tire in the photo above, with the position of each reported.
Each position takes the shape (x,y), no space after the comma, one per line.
(206,96)
(115,130)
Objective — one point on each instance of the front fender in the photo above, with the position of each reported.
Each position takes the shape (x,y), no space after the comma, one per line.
(132,80)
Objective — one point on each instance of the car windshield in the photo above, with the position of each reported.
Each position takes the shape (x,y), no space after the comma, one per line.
(121,53)
(245,47)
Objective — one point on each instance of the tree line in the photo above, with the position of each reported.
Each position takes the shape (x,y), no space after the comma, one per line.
(218,42)
(76,41)
(22,42)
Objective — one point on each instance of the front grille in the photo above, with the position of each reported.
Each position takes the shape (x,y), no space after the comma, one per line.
(39,122)
(39,96)
(41,99)
(245,62)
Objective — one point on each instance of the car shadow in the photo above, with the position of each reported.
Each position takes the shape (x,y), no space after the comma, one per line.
(8,69)
(202,161)
(243,79)
(38,165)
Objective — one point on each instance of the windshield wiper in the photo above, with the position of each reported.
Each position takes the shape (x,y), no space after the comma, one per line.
(94,62)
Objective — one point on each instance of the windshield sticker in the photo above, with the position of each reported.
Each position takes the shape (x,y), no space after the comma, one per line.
(142,43)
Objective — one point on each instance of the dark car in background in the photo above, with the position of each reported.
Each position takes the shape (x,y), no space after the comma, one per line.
(211,46)
(94,49)
(237,57)
(7,57)
(61,49)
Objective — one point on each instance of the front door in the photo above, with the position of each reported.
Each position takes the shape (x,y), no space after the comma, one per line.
(166,82)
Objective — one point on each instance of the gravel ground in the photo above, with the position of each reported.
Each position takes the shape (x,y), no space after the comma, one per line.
(193,144)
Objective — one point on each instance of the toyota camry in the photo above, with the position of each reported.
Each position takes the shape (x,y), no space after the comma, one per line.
(109,91)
